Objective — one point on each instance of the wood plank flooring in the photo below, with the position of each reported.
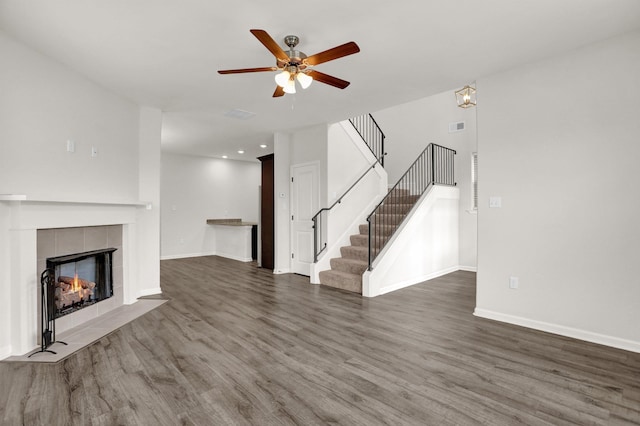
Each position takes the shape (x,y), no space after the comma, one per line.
(236,345)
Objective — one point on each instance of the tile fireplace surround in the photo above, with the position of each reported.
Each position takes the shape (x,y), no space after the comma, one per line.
(32,230)
(62,241)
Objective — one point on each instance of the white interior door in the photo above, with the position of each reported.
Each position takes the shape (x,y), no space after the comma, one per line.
(305,196)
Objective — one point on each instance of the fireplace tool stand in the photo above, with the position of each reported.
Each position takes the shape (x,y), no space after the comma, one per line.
(47,304)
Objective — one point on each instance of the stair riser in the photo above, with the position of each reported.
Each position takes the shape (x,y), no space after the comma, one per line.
(402,199)
(359,240)
(363,240)
(349,284)
(351,252)
(387,219)
(337,264)
(395,208)
(382,230)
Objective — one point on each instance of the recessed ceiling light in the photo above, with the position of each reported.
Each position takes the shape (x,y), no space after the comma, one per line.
(224,156)
(263,146)
(240,151)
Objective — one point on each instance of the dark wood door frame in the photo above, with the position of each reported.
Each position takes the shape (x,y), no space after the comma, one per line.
(267,235)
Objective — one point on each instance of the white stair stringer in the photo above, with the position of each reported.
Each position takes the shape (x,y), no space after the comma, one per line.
(424,247)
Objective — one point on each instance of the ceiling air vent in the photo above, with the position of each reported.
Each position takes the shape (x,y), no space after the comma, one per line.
(239,114)
(456,127)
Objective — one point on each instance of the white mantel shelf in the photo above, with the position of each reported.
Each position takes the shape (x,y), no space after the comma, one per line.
(24,198)
(13,197)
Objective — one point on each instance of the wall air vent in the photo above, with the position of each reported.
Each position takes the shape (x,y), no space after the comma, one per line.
(456,127)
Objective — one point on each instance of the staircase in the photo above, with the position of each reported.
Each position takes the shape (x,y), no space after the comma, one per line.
(433,166)
(346,271)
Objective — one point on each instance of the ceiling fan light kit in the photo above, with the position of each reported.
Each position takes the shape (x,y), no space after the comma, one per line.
(295,65)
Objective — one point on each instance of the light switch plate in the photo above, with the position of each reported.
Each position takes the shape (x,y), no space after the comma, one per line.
(514,282)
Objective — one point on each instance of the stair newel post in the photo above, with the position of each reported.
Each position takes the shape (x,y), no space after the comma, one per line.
(433,165)
(369,223)
(315,239)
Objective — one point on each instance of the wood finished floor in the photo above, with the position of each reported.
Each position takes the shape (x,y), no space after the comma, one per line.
(237,345)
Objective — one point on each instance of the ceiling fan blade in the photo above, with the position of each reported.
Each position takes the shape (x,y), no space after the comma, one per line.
(243,70)
(270,44)
(279,92)
(328,79)
(331,54)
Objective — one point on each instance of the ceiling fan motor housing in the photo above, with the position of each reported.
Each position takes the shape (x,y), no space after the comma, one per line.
(295,56)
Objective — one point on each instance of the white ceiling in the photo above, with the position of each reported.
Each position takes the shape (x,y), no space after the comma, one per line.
(165,53)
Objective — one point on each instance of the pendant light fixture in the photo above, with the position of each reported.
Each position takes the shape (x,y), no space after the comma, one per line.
(466,97)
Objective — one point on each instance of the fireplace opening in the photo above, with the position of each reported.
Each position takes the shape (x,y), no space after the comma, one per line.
(80,280)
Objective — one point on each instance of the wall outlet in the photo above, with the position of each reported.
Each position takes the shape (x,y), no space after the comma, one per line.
(94,151)
(495,202)
(513,282)
(71,146)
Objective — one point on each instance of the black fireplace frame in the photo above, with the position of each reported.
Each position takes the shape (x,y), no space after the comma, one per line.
(48,280)
(105,257)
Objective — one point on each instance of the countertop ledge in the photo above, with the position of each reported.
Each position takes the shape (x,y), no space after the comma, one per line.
(229,222)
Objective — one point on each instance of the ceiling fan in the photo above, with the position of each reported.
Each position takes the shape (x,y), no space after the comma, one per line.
(295,65)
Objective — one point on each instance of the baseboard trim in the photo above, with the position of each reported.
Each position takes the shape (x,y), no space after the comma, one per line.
(187,255)
(232,257)
(281,271)
(575,333)
(468,268)
(417,280)
(5,352)
(150,292)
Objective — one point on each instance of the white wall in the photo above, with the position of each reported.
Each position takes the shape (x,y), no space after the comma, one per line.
(194,189)
(410,127)
(148,219)
(310,145)
(5,277)
(558,141)
(281,218)
(42,105)
(425,246)
(347,158)
(301,146)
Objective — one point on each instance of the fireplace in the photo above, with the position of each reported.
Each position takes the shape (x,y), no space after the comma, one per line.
(61,251)
(80,280)
(32,231)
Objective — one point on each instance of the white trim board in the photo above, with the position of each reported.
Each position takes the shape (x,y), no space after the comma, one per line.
(5,351)
(151,292)
(187,255)
(468,268)
(561,330)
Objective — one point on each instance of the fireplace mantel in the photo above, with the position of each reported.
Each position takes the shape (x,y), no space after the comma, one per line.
(21,216)
(27,199)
